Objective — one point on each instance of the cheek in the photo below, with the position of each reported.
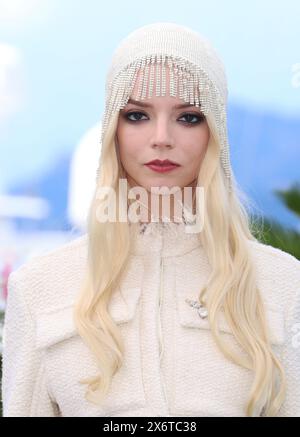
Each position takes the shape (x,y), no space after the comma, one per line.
(129,152)
(130,157)
(128,131)
(127,143)
(196,147)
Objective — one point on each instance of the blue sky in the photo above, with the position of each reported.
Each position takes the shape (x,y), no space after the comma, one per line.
(64,49)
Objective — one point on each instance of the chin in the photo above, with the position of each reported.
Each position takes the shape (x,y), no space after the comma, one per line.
(169,185)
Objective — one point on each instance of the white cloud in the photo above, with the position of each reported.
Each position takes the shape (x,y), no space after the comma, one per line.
(11,80)
(17,9)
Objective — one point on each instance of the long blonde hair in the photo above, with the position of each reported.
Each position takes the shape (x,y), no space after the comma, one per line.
(231,286)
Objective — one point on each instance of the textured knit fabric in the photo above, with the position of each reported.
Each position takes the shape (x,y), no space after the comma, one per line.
(172,366)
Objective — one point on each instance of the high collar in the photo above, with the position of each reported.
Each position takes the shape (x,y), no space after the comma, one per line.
(162,238)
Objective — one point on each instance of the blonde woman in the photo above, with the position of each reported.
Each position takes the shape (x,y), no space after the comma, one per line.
(158,311)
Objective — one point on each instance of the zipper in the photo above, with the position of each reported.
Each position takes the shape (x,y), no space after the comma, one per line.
(161,344)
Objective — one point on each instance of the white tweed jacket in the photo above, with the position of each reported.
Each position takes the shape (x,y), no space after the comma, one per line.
(172,367)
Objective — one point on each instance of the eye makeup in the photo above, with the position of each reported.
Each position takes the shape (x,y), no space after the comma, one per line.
(200,117)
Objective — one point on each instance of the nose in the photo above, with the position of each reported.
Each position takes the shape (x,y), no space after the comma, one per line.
(162,136)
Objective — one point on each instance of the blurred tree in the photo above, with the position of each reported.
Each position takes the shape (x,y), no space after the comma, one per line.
(273,233)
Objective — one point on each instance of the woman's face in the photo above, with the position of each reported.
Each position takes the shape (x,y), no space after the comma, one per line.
(156,128)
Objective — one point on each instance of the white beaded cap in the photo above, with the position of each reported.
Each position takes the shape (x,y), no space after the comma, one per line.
(197,75)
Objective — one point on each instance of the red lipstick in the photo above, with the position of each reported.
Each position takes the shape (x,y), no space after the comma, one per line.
(162,166)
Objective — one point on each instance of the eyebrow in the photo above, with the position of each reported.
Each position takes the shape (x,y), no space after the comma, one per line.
(147,105)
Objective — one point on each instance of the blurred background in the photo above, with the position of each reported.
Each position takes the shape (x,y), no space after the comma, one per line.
(54,55)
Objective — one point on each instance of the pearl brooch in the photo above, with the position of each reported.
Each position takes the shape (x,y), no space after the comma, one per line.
(202,311)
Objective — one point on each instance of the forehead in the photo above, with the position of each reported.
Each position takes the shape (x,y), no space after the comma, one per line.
(151,79)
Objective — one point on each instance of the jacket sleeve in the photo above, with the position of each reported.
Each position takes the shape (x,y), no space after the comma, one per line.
(291,352)
(24,388)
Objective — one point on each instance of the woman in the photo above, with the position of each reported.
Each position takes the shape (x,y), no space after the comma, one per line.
(158,311)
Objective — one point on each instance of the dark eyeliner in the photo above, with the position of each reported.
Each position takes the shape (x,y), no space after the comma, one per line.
(126,114)
(199,116)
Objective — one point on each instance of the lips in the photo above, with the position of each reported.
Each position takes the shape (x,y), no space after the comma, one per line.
(165,162)
(162,166)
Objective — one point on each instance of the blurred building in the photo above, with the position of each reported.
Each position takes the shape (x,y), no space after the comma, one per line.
(82,177)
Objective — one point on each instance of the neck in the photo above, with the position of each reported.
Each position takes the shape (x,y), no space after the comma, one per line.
(167,208)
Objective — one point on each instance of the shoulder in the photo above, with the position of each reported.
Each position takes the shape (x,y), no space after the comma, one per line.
(278,272)
(266,255)
(52,261)
(51,279)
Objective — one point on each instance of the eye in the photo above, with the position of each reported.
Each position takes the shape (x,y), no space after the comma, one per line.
(199,118)
(126,116)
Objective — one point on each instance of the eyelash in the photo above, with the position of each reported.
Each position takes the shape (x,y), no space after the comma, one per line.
(200,118)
